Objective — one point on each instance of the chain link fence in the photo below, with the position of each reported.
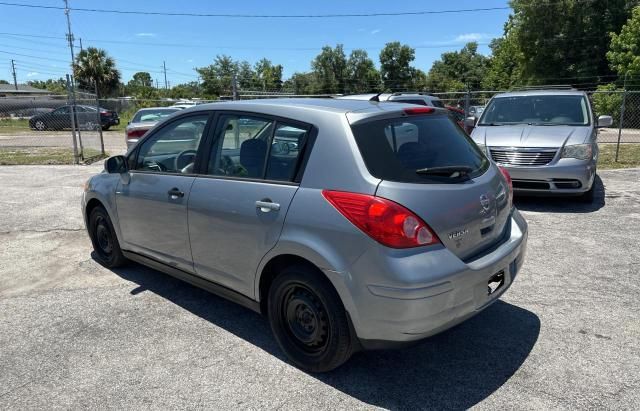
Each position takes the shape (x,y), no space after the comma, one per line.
(39,129)
(52,129)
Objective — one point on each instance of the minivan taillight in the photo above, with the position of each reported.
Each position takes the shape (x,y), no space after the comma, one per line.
(507,177)
(385,221)
(135,133)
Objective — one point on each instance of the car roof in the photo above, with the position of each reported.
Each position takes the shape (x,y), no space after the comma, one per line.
(301,108)
(541,93)
(341,105)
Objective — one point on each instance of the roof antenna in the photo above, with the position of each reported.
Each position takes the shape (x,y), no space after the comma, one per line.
(376,98)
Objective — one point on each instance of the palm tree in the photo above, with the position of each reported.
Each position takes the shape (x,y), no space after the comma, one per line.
(95,69)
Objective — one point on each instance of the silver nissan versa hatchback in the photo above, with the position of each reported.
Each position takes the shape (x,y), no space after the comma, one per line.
(350,224)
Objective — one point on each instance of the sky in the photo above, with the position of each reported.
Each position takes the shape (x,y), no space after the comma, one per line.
(144,42)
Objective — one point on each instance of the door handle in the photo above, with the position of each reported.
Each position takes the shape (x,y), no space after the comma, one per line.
(265,205)
(175,193)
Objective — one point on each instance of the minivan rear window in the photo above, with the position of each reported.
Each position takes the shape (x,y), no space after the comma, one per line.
(405,149)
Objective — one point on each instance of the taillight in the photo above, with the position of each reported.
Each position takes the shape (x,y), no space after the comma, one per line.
(507,177)
(387,222)
(418,110)
(135,133)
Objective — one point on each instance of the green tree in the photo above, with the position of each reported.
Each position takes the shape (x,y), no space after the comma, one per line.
(217,78)
(563,41)
(607,100)
(93,67)
(3,81)
(362,75)
(141,79)
(302,83)
(330,68)
(395,69)
(504,68)
(58,86)
(624,54)
(268,76)
(186,90)
(246,76)
(458,70)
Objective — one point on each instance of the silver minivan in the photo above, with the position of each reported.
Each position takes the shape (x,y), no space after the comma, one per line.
(547,139)
(350,224)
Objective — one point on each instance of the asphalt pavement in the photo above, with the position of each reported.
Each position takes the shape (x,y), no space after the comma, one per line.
(76,335)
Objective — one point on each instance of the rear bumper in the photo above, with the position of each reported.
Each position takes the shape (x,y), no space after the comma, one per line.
(402,296)
(567,177)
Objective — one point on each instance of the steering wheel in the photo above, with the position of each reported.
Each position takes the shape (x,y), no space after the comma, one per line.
(177,163)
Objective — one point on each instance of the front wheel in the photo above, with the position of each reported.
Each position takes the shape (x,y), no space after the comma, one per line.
(40,125)
(104,240)
(105,128)
(308,320)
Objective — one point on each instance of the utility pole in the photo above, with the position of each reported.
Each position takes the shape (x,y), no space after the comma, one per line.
(164,68)
(234,87)
(156,83)
(72,84)
(13,69)
(80,44)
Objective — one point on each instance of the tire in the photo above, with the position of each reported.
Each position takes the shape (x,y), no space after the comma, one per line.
(104,239)
(308,320)
(105,128)
(40,125)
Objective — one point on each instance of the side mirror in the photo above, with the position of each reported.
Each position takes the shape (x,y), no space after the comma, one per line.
(116,165)
(605,121)
(470,122)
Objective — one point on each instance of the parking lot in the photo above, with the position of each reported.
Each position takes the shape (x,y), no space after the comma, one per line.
(76,335)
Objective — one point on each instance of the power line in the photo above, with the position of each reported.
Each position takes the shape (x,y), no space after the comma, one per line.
(261,16)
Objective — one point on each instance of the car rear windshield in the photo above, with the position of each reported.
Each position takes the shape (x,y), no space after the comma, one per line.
(413,149)
(536,110)
(152,115)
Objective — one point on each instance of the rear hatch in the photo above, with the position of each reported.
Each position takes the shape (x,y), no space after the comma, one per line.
(429,165)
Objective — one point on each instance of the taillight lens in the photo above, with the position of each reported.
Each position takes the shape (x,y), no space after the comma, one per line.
(507,177)
(387,222)
(135,133)
(418,110)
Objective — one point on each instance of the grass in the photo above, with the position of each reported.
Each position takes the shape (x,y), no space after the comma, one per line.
(628,157)
(12,125)
(43,156)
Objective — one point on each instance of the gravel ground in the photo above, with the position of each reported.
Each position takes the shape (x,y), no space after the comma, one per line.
(76,335)
(113,140)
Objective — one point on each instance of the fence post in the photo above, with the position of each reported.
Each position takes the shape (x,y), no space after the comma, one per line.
(99,124)
(467,103)
(624,100)
(73,125)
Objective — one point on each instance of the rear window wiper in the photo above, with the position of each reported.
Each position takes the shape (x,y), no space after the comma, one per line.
(446,171)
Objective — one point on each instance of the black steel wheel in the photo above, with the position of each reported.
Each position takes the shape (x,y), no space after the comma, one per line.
(308,319)
(104,240)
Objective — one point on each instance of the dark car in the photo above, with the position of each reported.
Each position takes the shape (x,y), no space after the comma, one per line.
(60,118)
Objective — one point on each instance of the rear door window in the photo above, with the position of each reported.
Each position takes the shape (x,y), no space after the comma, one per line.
(404,149)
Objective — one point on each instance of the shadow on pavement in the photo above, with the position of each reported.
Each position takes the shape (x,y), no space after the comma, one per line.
(559,204)
(456,369)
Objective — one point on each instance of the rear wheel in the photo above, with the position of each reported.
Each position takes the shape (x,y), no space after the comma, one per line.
(309,320)
(105,128)
(40,125)
(104,240)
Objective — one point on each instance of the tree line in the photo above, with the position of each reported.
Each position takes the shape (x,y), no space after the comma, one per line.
(576,42)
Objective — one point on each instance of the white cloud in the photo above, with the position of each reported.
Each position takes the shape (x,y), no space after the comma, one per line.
(361,30)
(190,61)
(32,73)
(471,37)
(376,31)
(146,34)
